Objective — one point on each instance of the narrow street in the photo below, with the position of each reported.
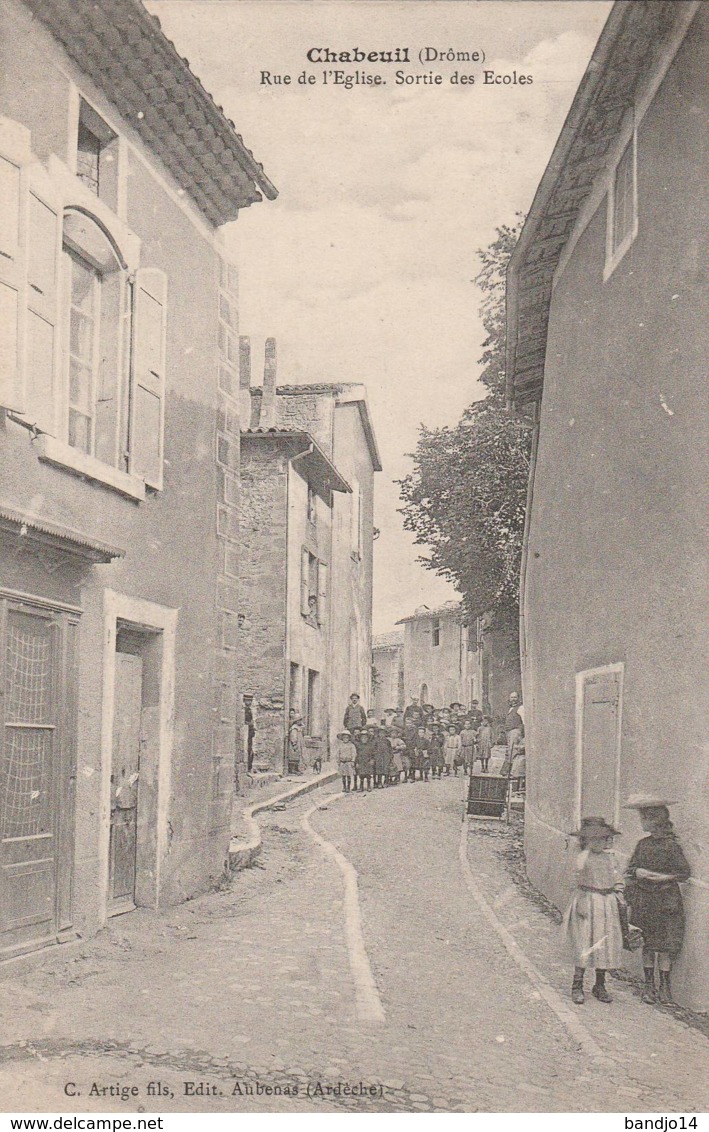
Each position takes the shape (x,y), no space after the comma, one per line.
(253,984)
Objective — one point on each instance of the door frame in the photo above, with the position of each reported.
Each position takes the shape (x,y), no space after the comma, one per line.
(617,668)
(163,620)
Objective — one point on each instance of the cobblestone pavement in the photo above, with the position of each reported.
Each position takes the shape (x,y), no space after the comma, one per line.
(252,987)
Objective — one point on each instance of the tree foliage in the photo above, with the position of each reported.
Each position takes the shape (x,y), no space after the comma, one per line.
(466,496)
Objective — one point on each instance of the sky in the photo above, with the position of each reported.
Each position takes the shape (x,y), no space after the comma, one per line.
(363,268)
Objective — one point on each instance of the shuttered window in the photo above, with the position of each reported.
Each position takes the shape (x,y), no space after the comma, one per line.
(322,572)
(43,246)
(148,376)
(15,156)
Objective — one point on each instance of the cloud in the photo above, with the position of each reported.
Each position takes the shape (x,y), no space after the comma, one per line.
(362,268)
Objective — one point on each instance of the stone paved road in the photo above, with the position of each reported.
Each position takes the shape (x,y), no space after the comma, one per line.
(253,984)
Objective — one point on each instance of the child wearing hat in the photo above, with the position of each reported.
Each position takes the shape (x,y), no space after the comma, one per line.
(485,742)
(346,754)
(654,873)
(592,920)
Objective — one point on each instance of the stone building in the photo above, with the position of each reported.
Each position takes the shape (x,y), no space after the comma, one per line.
(448,658)
(608,333)
(388,689)
(308,461)
(119,447)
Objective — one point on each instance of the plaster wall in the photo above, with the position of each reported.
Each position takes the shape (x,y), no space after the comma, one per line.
(306,639)
(444,668)
(352,569)
(616,548)
(389,666)
(173,555)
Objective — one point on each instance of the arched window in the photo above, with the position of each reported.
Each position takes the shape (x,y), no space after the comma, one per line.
(96,284)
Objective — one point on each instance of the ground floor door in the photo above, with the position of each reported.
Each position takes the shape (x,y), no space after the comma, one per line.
(125,777)
(36,774)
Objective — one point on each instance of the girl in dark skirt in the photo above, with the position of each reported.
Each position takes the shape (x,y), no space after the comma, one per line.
(654,873)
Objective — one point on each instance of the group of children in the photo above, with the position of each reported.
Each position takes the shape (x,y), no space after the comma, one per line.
(378,755)
(607,905)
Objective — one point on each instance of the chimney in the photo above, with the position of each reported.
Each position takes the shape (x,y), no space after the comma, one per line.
(268,400)
(245,381)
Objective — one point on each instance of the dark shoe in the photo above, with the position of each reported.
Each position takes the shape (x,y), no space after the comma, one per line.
(649,991)
(577,995)
(599,991)
(665,992)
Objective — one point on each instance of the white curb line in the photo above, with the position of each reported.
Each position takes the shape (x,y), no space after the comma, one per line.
(553,999)
(242,854)
(368,1004)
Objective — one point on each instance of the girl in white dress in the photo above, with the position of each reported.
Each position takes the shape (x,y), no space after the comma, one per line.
(592,920)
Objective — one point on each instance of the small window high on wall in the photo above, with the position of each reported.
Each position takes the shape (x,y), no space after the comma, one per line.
(622,214)
(97,155)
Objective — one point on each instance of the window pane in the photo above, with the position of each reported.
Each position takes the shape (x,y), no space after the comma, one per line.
(81,336)
(83,280)
(79,431)
(80,386)
(87,158)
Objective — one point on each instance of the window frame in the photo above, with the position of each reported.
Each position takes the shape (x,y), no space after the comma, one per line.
(615,253)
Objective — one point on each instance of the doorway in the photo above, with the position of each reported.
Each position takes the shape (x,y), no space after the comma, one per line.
(37,772)
(136,742)
(125,782)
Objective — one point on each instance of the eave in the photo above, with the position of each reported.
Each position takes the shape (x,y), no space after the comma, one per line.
(122,49)
(35,529)
(312,462)
(627,49)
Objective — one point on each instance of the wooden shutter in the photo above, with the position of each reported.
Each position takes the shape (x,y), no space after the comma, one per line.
(356,504)
(15,155)
(600,744)
(304,581)
(322,592)
(43,252)
(148,375)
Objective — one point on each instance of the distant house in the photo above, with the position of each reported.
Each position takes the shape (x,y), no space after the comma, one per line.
(119,456)
(308,460)
(387,672)
(448,658)
(608,334)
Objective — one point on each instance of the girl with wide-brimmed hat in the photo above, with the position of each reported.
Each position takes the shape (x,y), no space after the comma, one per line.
(592,920)
(653,876)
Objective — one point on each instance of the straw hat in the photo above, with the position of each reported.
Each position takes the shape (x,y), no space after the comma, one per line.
(647,802)
(594,825)
(344,735)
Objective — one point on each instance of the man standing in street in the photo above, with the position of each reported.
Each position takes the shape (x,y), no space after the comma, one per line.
(514,728)
(355,715)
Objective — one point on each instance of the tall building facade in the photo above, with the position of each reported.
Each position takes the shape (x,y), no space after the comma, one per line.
(608,319)
(119,446)
(308,461)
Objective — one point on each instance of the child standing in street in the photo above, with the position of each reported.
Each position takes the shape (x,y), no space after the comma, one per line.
(452,749)
(467,741)
(592,920)
(654,873)
(485,742)
(346,753)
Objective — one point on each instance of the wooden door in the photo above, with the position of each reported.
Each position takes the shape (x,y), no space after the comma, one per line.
(125,772)
(600,745)
(30,777)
